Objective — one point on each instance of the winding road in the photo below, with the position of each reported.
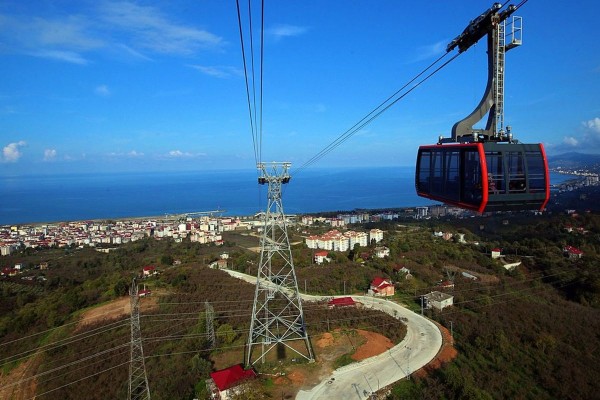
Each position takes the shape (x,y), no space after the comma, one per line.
(359,380)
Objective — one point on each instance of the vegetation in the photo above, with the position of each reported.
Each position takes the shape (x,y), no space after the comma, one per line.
(530,333)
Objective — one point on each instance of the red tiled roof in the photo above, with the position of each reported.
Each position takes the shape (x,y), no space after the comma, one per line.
(321,254)
(342,301)
(229,377)
(573,250)
(149,268)
(377,282)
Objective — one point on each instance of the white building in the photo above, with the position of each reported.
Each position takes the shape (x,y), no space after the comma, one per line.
(376,235)
(382,252)
(438,300)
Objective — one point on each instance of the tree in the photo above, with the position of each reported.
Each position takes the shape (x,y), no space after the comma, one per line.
(166,259)
(121,288)
(226,334)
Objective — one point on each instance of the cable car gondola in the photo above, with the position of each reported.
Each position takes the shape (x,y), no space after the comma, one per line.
(487,176)
(485,169)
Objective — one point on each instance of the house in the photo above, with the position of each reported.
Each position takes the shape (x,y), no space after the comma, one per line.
(221,264)
(382,252)
(572,252)
(228,379)
(496,253)
(438,300)
(381,287)
(447,285)
(145,292)
(149,270)
(321,257)
(341,302)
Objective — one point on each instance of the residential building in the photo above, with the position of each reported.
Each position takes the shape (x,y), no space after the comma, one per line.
(229,379)
(572,252)
(381,287)
(438,300)
(321,257)
(382,252)
(496,253)
(376,235)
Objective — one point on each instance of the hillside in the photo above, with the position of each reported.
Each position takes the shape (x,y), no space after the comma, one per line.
(575,161)
(531,333)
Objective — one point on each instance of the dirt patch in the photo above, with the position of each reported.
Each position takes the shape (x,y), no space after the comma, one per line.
(27,387)
(114,310)
(375,344)
(326,340)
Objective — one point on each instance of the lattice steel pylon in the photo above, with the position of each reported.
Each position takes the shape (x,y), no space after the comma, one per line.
(210,324)
(277,317)
(138,379)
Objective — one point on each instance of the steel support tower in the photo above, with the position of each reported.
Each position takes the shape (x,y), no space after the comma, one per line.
(138,379)
(210,324)
(277,317)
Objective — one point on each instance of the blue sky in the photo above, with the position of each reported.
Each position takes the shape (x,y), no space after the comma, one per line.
(96,86)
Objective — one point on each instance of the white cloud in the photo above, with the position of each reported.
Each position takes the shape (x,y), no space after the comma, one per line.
(181,154)
(49,154)
(178,153)
(570,141)
(134,153)
(589,139)
(59,55)
(283,31)
(11,152)
(218,71)
(153,31)
(102,90)
(430,51)
(593,125)
(71,32)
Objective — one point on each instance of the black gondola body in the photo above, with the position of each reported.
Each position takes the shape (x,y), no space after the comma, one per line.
(482,177)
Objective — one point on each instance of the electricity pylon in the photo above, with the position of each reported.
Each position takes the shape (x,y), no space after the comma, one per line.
(277,316)
(138,379)
(210,325)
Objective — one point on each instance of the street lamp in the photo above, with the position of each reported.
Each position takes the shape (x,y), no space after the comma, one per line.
(408,363)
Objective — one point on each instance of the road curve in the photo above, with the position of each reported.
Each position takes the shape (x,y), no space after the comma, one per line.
(421,344)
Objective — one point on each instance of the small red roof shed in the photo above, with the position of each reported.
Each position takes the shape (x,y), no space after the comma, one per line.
(230,377)
(342,302)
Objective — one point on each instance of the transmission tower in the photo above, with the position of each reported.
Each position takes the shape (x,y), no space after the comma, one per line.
(138,379)
(210,325)
(277,316)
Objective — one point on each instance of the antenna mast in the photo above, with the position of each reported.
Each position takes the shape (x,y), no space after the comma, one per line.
(277,316)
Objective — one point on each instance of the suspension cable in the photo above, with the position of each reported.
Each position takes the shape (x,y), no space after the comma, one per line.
(252,128)
(377,111)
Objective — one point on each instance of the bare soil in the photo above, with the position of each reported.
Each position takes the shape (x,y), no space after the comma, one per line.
(114,310)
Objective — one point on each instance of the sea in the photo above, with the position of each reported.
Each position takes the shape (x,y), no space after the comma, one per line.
(75,197)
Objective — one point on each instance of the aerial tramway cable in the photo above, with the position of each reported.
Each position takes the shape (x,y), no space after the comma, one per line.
(377,111)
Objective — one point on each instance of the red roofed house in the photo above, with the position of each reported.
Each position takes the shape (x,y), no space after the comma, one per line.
(381,287)
(320,257)
(149,270)
(228,379)
(341,302)
(496,253)
(573,252)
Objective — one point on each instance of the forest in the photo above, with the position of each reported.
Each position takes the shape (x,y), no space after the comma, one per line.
(530,333)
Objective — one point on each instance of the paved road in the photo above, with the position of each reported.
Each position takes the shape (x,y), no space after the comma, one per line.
(358,380)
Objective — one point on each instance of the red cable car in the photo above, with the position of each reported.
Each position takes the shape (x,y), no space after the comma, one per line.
(485,169)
